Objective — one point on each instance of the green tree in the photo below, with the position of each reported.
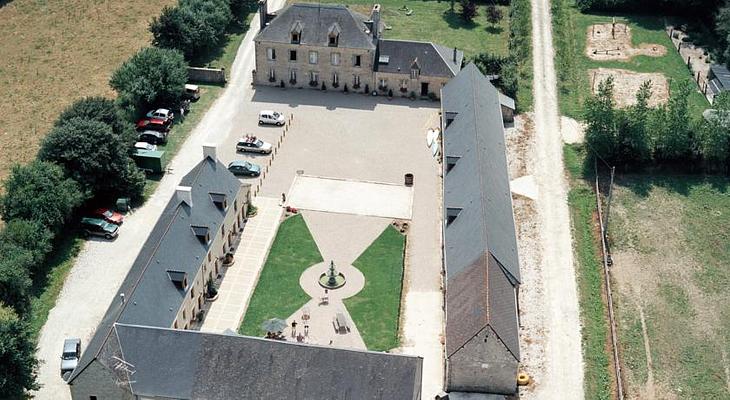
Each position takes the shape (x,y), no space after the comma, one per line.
(600,115)
(714,133)
(468,10)
(103,110)
(180,28)
(15,282)
(503,67)
(494,14)
(93,156)
(672,127)
(633,138)
(18,374)
(151,77)
(30,236)
(241,8)
(40,192)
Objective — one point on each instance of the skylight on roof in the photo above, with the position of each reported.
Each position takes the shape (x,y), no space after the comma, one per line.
(383,59)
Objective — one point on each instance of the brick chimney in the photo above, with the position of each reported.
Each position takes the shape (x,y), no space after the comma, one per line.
(263,13)
(209,151)
(454,55)
(375,17)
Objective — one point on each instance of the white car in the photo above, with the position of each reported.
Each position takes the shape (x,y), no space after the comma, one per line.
(268,117)
(161,113)
(145,146)
(252,144)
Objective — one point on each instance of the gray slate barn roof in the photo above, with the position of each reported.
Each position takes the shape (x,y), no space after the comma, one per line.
(149,293)
(720,78)
(434,59)
(316,21)
(480,245)
(194,365)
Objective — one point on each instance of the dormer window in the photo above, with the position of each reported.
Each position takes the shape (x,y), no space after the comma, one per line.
(450,117)
(334,35)
(220,201)
(296,33)
(451,214)
(178,278)
(451,162)
(415,69)
(202,233)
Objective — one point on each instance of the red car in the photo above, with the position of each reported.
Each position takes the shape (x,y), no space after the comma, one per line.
(108,215)
(155,124)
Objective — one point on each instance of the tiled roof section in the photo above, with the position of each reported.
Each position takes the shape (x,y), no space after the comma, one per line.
(433,59)
(195,365)
(722,74)
(503,307)
(173,243)
(479,182)
(316,22)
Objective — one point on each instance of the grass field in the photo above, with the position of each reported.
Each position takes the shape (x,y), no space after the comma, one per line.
(432,21)
(593,313)
(572,65)
(54,52)
(376,309)
(277,293)
(670,247)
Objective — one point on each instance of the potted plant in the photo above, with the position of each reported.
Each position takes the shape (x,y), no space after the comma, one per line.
(293,81)
(199,316)
(412,96)
(281,84)
(323,86)
(251,211)
(390,93)
(211,292)
(367,89)
(344,88)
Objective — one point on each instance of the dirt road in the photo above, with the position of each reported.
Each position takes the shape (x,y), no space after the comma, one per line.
(562,363)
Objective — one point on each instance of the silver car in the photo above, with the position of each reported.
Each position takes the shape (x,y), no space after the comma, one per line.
(70,355)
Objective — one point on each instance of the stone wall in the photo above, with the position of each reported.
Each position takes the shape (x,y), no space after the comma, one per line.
(395,82)
(282,66)
(207,75)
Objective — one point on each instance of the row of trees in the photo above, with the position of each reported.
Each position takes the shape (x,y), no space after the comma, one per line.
(469,10)
(673,7)
(639,135)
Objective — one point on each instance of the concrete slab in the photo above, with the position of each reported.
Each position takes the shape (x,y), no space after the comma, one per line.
(343,237)
(351,197)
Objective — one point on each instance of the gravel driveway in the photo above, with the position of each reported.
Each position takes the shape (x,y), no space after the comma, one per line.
(101,266)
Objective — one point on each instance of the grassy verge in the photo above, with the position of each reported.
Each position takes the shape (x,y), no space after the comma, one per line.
(46,290)
(581,200)
(572,65)
(520,47)
(277,293)
(376,309)
(433,21)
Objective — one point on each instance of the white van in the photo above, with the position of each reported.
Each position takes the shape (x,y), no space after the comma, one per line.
(268,117)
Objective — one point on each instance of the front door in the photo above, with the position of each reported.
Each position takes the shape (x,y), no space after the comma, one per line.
(424,88)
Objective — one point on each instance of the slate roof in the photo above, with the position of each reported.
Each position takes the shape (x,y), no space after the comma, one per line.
(195,365)
(480,245)
(149,294)
(433,59)
(479,183)
(316,20)
(721,78)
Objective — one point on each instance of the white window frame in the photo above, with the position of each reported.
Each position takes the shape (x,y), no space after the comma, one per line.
(335,78)
(335,58)
(314,76)
(271,54)
(313,57)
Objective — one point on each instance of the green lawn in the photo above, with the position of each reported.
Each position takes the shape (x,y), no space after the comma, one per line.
(277,293)
(572,65)
(586,248)
(376,309)
(432,21)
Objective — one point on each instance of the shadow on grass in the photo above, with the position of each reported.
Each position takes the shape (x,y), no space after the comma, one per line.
(494,30)
(214,54)
(643,183)
(456,22)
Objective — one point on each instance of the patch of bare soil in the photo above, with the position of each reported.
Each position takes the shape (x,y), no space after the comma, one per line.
(626,84)
(613,42)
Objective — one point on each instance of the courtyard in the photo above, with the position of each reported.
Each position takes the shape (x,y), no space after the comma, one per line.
(341,162)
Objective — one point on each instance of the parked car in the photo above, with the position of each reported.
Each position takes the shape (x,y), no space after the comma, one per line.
(244,168)
(269,117)
(145,146)
(252,144)
(191,92)
(161,113)
(70,355)
(108,215)
(154,124)
(152,137)
(99,227)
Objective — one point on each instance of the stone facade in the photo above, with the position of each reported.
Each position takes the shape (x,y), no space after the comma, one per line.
(420,85)
(330,61)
